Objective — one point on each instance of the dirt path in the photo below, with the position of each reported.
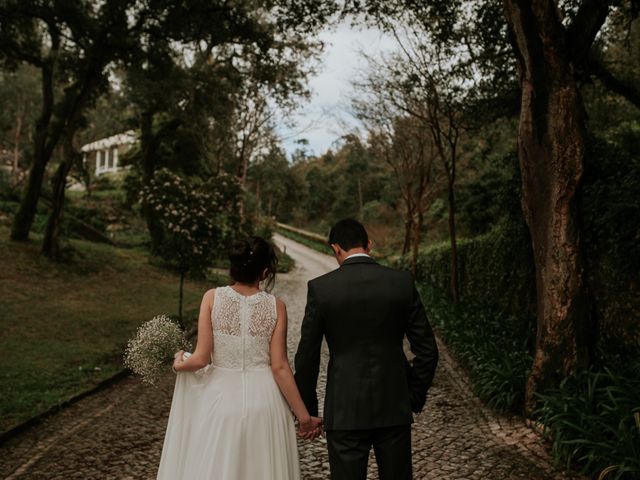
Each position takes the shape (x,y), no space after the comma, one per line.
(118,433)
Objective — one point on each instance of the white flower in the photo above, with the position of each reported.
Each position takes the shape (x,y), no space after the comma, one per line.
(151,351)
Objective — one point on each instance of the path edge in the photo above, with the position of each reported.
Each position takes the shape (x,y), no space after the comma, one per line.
(102,385)
(39,418)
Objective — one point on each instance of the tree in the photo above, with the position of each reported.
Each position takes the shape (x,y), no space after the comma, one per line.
(204,86)
(552,54)
(197,220)
(72,46)
(70,158)
(19,96)
(406,146)
(410,153)
(551,148)
(273,183)
(431,85)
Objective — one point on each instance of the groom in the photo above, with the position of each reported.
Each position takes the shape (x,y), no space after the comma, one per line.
(364,310)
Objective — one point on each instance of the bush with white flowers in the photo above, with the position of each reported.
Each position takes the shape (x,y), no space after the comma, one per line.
(198,220)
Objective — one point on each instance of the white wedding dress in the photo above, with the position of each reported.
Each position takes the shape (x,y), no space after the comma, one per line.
(229,421)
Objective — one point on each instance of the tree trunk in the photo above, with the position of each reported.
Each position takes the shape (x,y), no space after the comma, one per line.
(551,148)
(23,219)
(16,146)
(417,237)
(408,229)
(453,282)
(258,200)
(51,242)
(182,274)
(147,166)
(146,146)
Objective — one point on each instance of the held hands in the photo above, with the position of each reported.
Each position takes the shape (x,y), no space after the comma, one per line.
(310,429)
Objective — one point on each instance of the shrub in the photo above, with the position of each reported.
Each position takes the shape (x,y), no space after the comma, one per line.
(495,269)
(611,226)
(593,419)
(493,347)
(264,227)
(197,220)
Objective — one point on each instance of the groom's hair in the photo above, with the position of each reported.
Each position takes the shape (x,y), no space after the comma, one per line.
(349,233)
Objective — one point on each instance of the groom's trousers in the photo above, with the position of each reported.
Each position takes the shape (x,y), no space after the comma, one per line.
(349,453)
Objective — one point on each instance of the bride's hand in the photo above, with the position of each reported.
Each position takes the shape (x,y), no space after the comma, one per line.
(178,358)
(311,428)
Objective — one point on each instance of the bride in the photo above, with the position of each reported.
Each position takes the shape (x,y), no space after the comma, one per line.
(231,414)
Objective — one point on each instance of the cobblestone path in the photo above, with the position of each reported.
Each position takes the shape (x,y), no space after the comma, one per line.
(118,433)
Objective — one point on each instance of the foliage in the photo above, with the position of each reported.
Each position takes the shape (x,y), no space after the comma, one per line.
(611,201)
(20,96)
(495,268)
(493,346)
(273,185)
(198,220)
(593,419)
(285,262)
(492,196)
(611,224)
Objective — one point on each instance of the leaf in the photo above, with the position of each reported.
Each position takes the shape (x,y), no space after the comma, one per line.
(607,470)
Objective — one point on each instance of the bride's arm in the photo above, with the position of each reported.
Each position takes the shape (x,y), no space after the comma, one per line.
(282,371)
(202,355)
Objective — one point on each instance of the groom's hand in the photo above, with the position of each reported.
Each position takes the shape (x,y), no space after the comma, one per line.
(310,429)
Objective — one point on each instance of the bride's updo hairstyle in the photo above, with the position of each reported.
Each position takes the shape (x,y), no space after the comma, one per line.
(248,260)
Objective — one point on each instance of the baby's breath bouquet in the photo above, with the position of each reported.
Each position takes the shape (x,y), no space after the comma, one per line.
(150,353)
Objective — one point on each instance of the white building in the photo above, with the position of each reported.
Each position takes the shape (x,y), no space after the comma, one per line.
(103,155)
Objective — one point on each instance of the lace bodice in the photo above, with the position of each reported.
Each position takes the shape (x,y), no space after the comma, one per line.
(242,328)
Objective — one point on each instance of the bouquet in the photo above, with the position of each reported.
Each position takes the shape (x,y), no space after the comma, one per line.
(150,353)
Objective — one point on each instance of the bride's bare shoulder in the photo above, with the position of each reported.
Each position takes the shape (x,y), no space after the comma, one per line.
(209,296)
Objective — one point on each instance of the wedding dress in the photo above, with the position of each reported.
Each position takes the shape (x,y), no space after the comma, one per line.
(229,421)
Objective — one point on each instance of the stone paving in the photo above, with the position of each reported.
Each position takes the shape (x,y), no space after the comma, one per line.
(118,433)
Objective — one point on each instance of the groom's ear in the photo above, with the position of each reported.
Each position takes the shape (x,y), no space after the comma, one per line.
(369,245)
(336,248)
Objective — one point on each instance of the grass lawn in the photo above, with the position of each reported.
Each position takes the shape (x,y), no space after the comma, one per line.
(64,326)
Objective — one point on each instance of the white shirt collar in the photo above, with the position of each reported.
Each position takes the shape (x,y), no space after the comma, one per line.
(357,255)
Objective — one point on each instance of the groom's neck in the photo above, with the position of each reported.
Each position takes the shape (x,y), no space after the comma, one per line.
(353,251)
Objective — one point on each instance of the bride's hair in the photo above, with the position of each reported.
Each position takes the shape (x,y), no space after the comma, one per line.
(249,258)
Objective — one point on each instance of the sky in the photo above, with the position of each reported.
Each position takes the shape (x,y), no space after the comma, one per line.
(321,119)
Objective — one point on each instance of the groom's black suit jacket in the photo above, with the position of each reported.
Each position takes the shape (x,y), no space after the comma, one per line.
(364,310)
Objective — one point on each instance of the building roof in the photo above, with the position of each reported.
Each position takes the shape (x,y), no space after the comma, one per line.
(126,138)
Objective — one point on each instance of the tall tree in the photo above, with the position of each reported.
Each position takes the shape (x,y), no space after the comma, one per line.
(406,145)
(70,157)
(208,82)
(20,97)
(551,148)
(432,86)
(552,45)
(72,45)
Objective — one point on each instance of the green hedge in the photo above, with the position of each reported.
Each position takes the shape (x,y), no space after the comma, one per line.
(494,269)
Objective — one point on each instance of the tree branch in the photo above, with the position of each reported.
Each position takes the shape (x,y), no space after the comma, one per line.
(628,90)
(585,26)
